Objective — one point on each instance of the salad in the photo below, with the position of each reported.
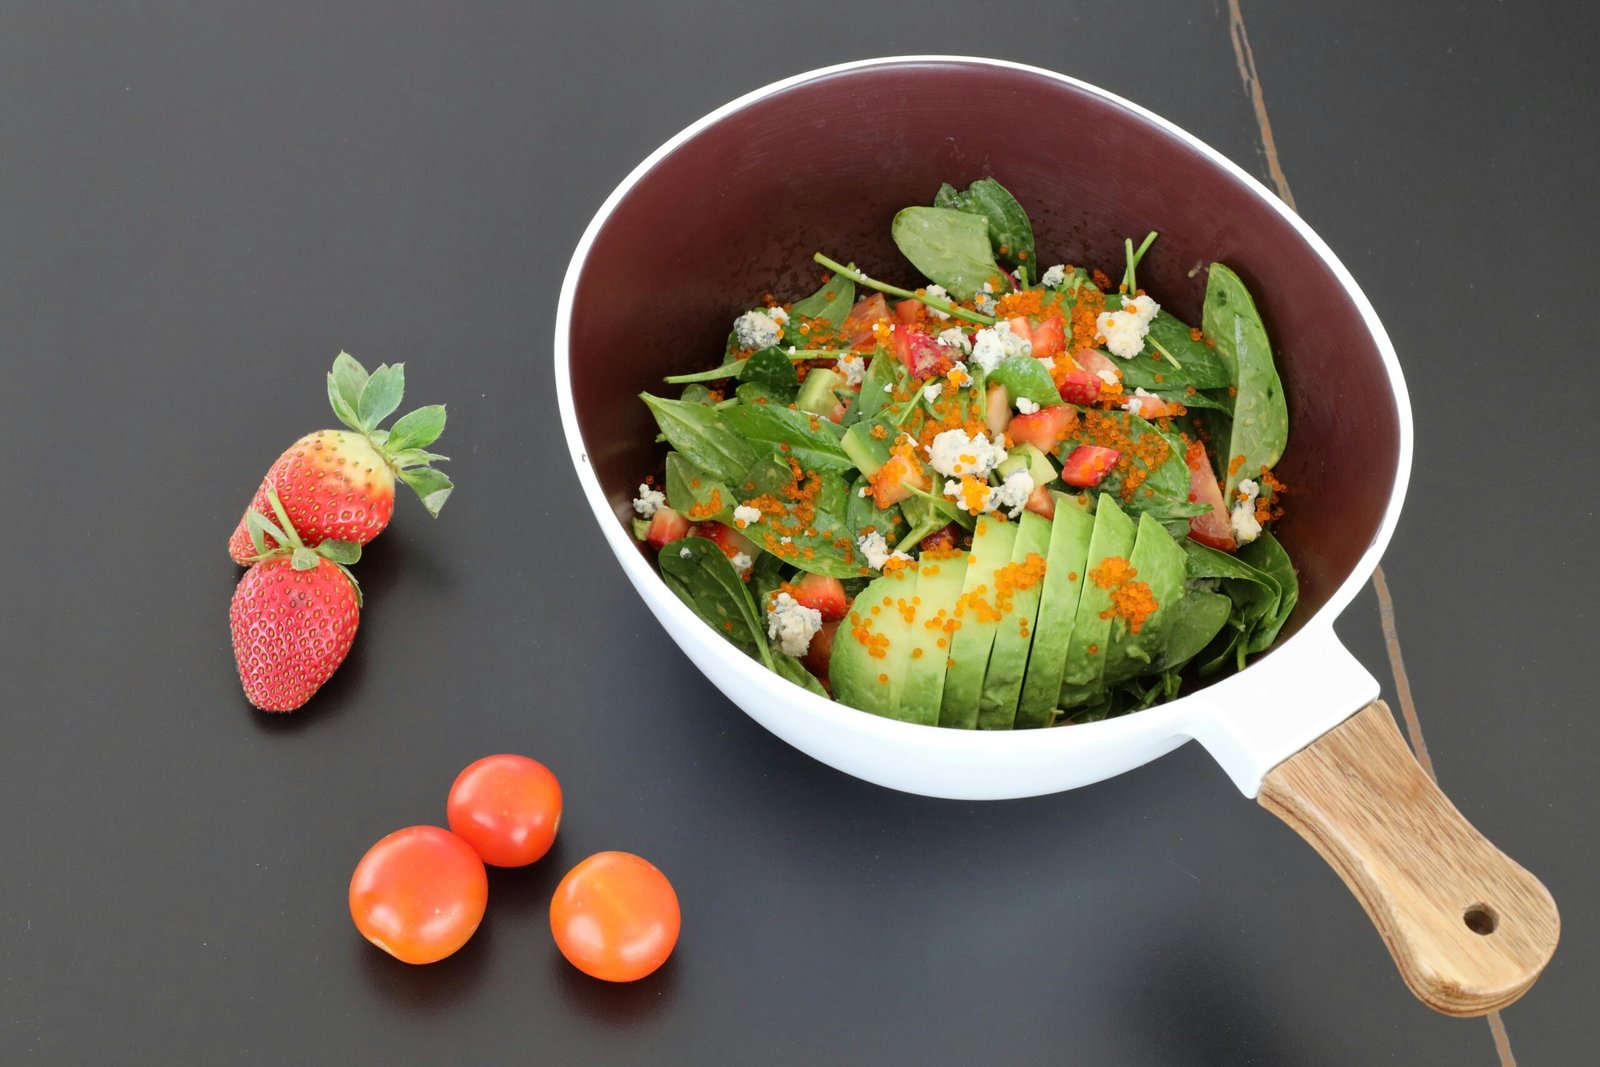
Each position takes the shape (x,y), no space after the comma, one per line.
(1008,497)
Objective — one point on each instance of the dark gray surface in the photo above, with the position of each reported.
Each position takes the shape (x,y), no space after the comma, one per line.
(201,206)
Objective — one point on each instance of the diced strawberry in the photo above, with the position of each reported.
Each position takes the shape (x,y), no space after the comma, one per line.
(1094,361)
(1045,428)
(910,312)
(921,353)
(895,480)
(666,526)
(820,653)
(1019,327)
(997,411)
(823,593)
(1212,528)
(731,541)
(1049,338)
(1088,465)
(857,326)
(1080,387)
(1040,502)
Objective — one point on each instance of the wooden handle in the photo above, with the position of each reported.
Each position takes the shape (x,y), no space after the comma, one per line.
(1469,929)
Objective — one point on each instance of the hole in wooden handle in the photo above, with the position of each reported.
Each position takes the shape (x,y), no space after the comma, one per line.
(1480,919)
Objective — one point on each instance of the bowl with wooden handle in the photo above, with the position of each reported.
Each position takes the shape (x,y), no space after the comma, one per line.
(735,205)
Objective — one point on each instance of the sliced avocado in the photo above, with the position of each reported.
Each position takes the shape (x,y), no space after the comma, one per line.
(1025,457)
(1002,684)
(860,678)
(1058,606)
(816,392)
(1157,561)
(1113,537)
(974,636)
(939,581)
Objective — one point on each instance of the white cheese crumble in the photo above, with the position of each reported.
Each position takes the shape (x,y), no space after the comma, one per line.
(792,624)
(1107,375)
(744,515)
(741,562)
(1125,328)
(1055,277)
(995,343)
(953,490)
(1135,403)
(1243,516)
(648,501)
(853,367)
(778,315)
(933,390)
(876,549)
(888,387)
(684,553)
(1026,406)
(953,454)
(940,293)
(955,338)
(1012,494)
(756,329)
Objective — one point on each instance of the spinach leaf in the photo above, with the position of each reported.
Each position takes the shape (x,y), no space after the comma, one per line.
(948,247)
(1254,594)
(698,572)
(696,394)
(831,304)
(1009,230)
(1026,376)
(1161,489)
(1260,413)
(793,670)
(689,487)
(1267,555)
(766,575)
(1197,618)
(877,384)
(861,514)
(812,440)
(771,368)
(834,495)
(824,543)
(703,436)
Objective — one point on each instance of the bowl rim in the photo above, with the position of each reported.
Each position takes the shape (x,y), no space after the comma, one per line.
(1167,717)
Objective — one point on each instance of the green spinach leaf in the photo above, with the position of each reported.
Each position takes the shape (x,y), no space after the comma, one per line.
(1024,376)
(1199,365)
(950,248)
(689,487)
(1009,231)
(812,440)
(793,670)
(698,572)
(1161,489)
(771,368)
(703,435)
(1260,412)
(831,304)
(1267,555)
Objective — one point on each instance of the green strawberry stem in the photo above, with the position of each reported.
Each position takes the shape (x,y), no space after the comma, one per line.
(339,553)
(362,401)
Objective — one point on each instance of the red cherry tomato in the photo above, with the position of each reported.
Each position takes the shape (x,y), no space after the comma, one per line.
(419,894)
(615,917)
(507,807)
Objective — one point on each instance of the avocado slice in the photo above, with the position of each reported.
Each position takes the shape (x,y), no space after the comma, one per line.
(939,581)
(875,682)
(1058,606)
(1113,536)
(1002,685)
(970,644)
(1159,562)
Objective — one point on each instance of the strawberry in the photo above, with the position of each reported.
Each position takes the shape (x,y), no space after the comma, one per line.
(338,485)
(294,613)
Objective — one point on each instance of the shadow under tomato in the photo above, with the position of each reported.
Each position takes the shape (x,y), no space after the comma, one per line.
(527,891)
(616,1004)
(430,987)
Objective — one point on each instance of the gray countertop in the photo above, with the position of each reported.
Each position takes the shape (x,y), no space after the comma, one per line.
(204,203)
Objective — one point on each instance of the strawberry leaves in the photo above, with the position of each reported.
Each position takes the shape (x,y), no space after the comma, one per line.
(362,401)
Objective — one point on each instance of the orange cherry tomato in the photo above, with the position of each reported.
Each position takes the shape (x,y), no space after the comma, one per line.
(615,917)
(507,807)
(419,894)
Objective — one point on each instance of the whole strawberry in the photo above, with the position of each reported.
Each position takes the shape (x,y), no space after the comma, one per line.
(294,613)
(338,485)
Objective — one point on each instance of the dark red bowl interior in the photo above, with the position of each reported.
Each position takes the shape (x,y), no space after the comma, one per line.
(737,210)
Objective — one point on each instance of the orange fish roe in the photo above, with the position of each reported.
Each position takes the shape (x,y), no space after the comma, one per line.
(879,432)
(916,653)
(1013,577)
(883,679)
(1137,456)
(1101,282)
(1084,314)
(1236,463)
(974,494)
(1130,600)
(1030,302)
(977,602)
(712,505)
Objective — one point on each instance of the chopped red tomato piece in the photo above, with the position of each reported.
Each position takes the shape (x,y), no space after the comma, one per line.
(1088,465)
(857,326)
(910,312)
(823,593)
(1044,429)
(666,526)
(1212,528)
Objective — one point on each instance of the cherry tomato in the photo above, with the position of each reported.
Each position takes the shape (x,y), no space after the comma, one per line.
(419,894)
(615,917)
(507,807)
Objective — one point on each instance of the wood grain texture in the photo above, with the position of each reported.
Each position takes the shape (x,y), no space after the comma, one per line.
(1428,879)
